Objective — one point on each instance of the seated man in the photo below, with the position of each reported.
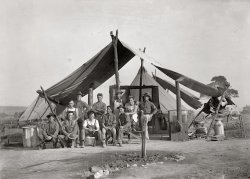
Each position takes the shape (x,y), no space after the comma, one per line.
(91,126)
(124,125)
(50,132)
(70,131)
(109,125)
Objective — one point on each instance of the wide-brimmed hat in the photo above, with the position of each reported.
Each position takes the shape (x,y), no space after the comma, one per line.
(79,93)
(50,114)
(118,92)
(146,94)
(130,96)
(91,111)
(121,106)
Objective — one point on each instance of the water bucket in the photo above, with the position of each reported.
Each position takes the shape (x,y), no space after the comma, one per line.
(30,136)
(90,141)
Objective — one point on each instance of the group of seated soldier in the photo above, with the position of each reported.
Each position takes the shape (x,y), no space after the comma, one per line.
(80,121)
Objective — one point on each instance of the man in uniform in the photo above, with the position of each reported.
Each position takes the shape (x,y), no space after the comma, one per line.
(124,125)
(70,131)
(109,125)
(99,107)
(82,107)
(50,131)
(148,109)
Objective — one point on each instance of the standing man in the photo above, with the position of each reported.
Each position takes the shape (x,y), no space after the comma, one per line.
(50,131)
(99,107)
(117,102)
(70,131)
(82,108)
(124,125)
(148,109)
(109,125)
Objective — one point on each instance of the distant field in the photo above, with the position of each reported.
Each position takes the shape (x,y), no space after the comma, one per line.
(10,110)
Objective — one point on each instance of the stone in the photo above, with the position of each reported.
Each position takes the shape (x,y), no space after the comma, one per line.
(98,174)
(105,172)
(160,163)
(134,165)
(87,173)
(95,169)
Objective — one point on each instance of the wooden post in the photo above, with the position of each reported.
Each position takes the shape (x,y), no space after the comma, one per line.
(178,102)
(141,73)
(114,42)
(51,109)
(143,137)
(90,96)
(217,109)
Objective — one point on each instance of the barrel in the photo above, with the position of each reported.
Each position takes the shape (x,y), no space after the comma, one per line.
(30,136)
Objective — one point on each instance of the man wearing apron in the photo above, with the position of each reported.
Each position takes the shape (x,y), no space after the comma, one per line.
(91,126)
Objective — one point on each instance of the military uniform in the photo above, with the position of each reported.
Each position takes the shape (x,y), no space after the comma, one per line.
(82,108)
(50,133)
(109,125)
(100,110)
(124,126)
(70,133)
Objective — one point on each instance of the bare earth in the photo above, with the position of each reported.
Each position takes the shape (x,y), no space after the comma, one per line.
(226,159)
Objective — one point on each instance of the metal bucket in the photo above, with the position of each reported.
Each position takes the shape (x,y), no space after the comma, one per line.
(30,136)
(173,115)
(90,141)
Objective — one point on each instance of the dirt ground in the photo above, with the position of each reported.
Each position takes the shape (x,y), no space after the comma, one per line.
(226,159)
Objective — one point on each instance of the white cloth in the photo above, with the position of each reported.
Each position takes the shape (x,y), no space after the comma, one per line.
(92,123)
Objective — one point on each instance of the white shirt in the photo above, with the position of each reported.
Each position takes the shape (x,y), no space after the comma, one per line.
(92,123)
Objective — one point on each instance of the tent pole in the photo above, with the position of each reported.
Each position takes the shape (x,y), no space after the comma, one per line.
(114,42)
(141,73)
(51,109)
(144,125)
(90,96)
(178,103)
(33,107)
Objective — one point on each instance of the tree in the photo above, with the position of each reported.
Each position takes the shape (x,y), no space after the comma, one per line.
(221,81)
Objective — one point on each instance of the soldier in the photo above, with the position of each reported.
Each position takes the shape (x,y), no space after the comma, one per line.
(124,125)
(82,108)
(148,109)
(109,125)
(99,107)
(50,132)
(70,131)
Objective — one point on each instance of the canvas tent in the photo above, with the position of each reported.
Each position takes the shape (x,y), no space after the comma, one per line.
(167,102)
(92,73)
(189,98)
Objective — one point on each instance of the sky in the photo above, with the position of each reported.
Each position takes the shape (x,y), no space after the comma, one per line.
(41,42)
